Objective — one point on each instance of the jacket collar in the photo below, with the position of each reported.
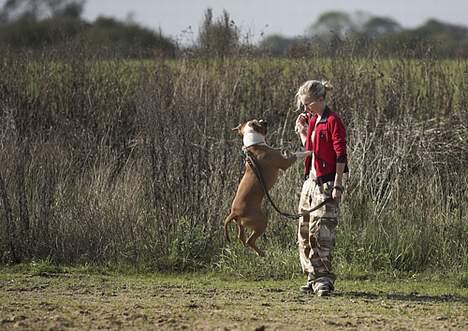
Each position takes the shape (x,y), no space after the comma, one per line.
(325,114)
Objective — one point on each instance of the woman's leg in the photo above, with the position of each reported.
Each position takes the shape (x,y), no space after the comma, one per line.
(322,237)
(303,231)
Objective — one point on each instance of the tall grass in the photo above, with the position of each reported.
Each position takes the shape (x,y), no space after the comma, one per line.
(124,162)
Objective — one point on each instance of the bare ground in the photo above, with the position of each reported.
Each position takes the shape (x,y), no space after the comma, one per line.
(76,301)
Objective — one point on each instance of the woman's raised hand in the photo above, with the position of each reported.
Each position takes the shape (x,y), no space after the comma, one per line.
(301,123)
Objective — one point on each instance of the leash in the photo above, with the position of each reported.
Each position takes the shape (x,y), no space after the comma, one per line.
(252,161)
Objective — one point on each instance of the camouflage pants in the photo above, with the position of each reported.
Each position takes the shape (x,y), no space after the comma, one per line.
(317,232)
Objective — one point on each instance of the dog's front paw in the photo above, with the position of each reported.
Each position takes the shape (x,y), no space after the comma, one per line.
(287,154)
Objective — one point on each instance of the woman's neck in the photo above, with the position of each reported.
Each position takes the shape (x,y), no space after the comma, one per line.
(321,110)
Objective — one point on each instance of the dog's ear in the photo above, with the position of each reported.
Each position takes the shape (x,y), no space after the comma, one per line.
(237,128)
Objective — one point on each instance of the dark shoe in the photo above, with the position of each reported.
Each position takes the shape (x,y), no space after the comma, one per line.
(323,290)
(324,293)
(307,288)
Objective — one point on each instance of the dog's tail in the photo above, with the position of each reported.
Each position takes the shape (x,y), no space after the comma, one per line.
(228,220)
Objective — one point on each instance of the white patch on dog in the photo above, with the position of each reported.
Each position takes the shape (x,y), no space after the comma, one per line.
(252,137)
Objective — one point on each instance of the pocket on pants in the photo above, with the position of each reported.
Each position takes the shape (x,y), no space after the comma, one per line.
(332,209)
(326,234)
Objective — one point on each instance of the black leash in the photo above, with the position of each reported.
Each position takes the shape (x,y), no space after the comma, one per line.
(252,161)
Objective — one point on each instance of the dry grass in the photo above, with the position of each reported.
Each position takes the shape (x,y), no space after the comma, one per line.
(120,162)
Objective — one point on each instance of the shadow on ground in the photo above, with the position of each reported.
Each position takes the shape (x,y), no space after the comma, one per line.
(413,297)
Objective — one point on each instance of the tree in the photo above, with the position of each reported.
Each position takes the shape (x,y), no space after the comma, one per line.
(220,37)
(333,23)
(71,9)
(35,24)
(434,38)
(35,10)
(39,23)
(379,26)
(127,39)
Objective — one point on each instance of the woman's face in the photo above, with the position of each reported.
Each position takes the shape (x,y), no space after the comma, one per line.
(312,105)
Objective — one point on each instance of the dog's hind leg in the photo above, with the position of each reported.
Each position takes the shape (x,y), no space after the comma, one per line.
(241,232)
(258,230)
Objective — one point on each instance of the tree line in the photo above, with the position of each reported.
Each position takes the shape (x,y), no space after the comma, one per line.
(35,24)
(38,24)
(336,32)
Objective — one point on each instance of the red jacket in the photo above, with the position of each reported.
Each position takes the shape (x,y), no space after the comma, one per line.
(329,145)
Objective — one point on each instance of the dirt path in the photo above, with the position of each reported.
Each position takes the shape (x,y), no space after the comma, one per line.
(207,302)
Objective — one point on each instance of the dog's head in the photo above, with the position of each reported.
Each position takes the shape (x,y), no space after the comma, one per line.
(258,126)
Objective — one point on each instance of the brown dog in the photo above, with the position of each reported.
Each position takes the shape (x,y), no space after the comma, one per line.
(246,207)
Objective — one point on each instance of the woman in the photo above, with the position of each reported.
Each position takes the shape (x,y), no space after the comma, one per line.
(322,132)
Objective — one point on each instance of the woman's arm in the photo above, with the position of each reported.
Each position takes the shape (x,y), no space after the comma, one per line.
(339,145)
(338,185)
(339,174)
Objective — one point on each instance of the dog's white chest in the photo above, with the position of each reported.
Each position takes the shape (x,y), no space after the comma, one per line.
(252,137)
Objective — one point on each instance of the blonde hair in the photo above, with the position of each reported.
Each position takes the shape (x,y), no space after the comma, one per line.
(313,89)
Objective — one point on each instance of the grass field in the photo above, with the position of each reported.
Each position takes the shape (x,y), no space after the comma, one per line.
(44,300)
